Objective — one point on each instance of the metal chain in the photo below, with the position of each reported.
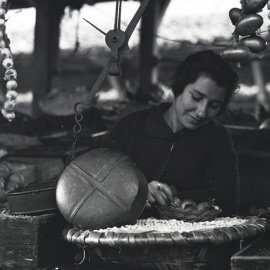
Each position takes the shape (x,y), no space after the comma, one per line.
(78,116)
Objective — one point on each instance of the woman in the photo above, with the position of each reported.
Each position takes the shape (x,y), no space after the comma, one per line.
(179,146)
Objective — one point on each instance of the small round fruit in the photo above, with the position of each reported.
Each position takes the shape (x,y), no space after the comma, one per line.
(11,94)
(7,63)
(11,74)
(202,205)
(176,202)
(4,171)
(18,178)
(8,115)
(188,204)
(6,52)
(11,186)
(10,105)
(11,85)
(8,164)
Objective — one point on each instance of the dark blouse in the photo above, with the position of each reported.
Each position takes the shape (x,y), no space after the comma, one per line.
(200,163)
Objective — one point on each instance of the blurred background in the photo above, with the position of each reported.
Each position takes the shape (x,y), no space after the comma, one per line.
(185,27)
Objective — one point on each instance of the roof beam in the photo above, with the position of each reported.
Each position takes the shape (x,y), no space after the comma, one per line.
(150,22)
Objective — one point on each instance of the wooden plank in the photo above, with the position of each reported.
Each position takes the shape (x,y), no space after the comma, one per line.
(148,48)
(47,29)
(259,80)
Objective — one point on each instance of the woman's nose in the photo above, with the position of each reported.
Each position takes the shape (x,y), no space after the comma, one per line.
(202,109)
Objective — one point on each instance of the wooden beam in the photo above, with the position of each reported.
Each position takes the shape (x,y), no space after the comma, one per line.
(46,47)
(148,72)
(258,77)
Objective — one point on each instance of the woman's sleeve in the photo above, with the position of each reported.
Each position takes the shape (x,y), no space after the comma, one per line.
(221,176)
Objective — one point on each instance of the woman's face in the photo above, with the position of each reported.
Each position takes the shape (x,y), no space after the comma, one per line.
(200,102)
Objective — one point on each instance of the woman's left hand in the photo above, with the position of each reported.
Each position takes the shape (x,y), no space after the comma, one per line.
(158,193)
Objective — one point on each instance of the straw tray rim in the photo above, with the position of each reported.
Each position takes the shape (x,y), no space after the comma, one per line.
(255,226)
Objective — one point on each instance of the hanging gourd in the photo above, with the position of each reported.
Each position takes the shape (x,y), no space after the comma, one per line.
(254,6)
(249,24)
(235,53)
(10,104)
(235,15)
(255,43)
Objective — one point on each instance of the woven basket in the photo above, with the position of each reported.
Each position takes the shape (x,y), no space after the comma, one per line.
(155,250)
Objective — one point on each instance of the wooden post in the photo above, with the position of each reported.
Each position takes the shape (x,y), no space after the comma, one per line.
(257,72)
(47,29)
(148,72)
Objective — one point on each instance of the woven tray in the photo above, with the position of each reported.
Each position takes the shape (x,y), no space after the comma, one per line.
(173,250)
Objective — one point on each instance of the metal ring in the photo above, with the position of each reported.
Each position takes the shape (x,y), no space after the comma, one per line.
(158,186)
(80,256)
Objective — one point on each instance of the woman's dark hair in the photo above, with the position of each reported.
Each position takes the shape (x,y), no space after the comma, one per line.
(209,64)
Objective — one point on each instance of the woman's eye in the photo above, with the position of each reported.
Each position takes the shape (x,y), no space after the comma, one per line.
(196,97)
(215,106)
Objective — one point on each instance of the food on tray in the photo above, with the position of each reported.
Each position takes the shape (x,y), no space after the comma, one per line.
(188,210)
(173,225)
(153,243)
(187,204)
(177,204)
(4,169)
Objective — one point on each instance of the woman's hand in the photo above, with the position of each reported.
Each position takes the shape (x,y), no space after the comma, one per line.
(158,193)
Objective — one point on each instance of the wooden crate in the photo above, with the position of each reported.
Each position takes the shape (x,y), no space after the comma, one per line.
(33,242)
(255,256)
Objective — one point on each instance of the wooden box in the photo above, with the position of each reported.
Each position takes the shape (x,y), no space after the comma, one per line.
(33,242)
(255,256)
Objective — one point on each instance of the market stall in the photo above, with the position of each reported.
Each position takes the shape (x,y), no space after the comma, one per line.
(57,212)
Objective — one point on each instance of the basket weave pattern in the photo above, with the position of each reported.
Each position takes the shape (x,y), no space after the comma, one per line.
(173,250)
